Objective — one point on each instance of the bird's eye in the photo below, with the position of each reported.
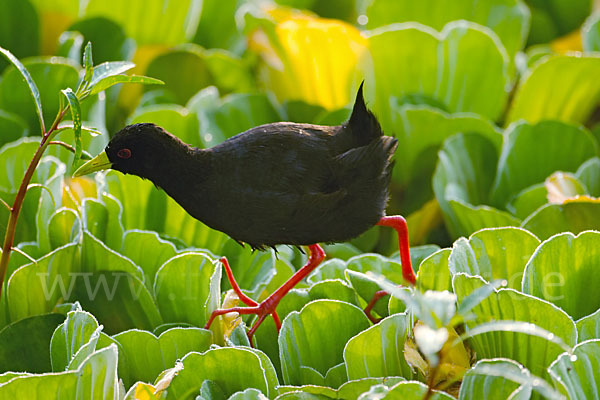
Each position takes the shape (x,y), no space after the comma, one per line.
(124,153)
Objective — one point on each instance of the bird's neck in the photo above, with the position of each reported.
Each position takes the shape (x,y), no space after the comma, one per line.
(183,174)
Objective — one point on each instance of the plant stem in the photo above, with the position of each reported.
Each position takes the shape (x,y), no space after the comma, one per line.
(11,227)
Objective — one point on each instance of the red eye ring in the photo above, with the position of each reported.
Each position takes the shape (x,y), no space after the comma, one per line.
(124,153)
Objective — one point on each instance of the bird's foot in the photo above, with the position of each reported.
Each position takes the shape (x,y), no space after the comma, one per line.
(269,305)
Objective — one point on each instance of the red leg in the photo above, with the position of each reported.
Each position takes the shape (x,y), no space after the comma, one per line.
(378,295)
(268,305)
(399,224)
(234,285)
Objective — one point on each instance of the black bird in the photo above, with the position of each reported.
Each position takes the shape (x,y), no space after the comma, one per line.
(280,183)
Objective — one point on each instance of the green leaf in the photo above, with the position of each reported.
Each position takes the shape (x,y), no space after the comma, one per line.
(69,337)
(465,172)
(555,18)
(76,117)
(522,377)
(379,350)
(175,119)
(20,32)
(434,273)
(64,227)
(192,75)
(32,88)
(108,69)
(563,265)
(25,344)
(37,287)
(496,253)
(233,369)
(532,152)
(137,21)
(108,37)
(69,45)
(573,216)
(478,385)
(109,81)
(589,174)
(577,373)
(184,288)
(22,97)
(412,126)
(148,251)
(14,160)
(590,32)
(349,390)
(533,352)
(12,127)
(248,394)
(102,219)
(558,87)
(95,379)
(528,200)
(588,327)
(311,341)
(443,58)
(88,64)
(509,19)
(218,27)
(146,355)
(118,299)
(233,114)
(474,218)
(403,390)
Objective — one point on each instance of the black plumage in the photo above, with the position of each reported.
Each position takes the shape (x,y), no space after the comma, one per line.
(280,183)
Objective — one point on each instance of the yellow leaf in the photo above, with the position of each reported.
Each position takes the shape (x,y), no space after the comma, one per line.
(309,58)
(423,221)
(569,42)
(76,189)
(144,391)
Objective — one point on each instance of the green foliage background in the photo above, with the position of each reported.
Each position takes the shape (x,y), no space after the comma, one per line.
(495,106)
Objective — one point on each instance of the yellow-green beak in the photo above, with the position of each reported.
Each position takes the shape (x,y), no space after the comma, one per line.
(97,163)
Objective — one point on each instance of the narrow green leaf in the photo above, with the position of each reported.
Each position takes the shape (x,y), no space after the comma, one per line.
(88,64)
(107,69)
(516,327)
(35,94)
(76,116)
(109,81)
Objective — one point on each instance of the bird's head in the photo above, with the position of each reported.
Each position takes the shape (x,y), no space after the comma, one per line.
(139,149)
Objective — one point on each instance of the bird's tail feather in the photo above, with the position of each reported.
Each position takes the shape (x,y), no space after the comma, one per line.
(363,124)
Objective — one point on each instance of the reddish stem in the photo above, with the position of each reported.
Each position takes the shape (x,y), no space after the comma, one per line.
(11,227)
